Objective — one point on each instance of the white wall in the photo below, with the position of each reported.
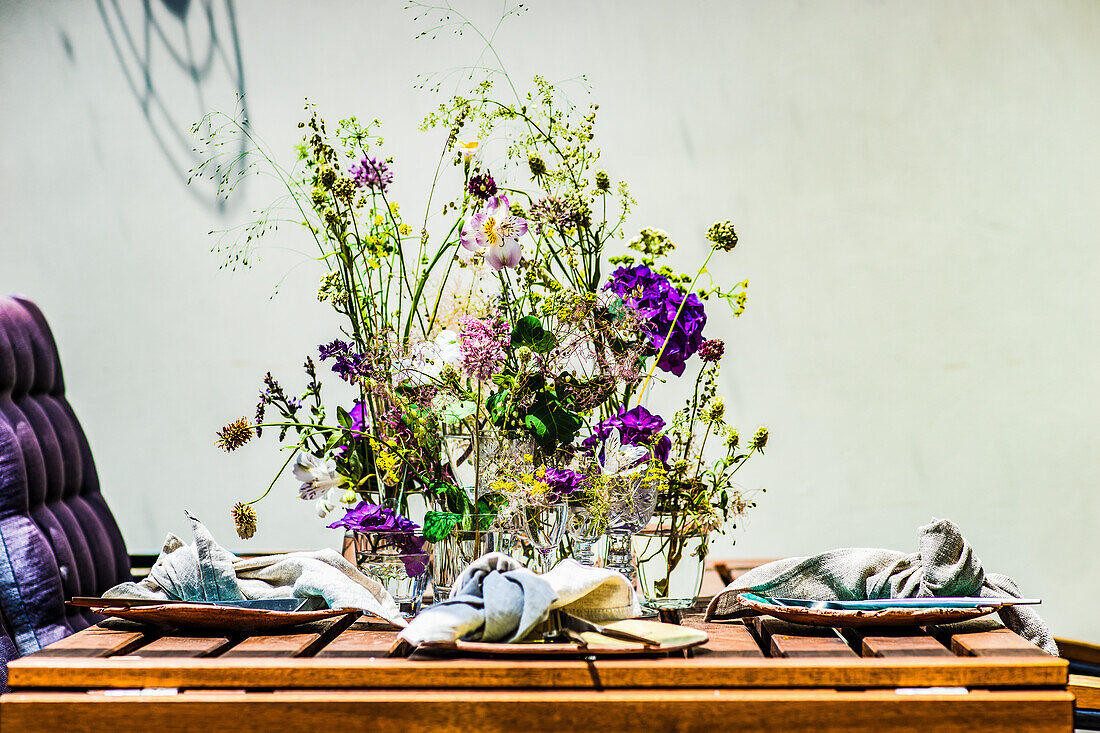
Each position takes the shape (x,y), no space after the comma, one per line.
(914,184)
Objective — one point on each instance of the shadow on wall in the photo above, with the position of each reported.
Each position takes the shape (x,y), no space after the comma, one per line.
(203,73)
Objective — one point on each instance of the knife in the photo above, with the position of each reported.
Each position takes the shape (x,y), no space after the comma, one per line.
(312,603)
(894,603)
(565,620)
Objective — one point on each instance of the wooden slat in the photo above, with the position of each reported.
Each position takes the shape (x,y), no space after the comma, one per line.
(95,641)
(712,582)
(998,643)
(703,671)
(283,645)
(359,642)
(729,570)
(1079,651)
(302,643)
(1087,691)
(619,711)
(784,639)
(184,646)
(900,643)
(726,639)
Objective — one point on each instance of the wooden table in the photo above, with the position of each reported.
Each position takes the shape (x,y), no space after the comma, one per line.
(766,676)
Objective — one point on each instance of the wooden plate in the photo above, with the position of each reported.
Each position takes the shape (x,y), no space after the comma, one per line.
(885,617)
(598,646)
(220,618)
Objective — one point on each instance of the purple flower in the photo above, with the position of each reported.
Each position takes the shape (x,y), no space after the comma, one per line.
(495,228)
(712,350)
(348,363)
(482,186)
(563,482)
(372,173)
(656,300)
(358,414)
(403,532)
(638,426)
(552,212)
(481,345)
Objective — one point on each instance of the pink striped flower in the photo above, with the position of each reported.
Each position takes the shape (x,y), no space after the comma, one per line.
(498,230)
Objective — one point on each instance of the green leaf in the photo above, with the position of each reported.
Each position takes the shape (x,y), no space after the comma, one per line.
(529,332)
(497,405)
(491,503)
(343,417)
(535,425)
(551,422)
(457,411)
(438,525)
(615,309)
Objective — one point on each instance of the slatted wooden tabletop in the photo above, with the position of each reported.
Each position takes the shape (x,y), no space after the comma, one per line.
(765,676)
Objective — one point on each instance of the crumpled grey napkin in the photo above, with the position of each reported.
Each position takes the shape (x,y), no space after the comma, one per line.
(205,571)
(944,565)
(497,599)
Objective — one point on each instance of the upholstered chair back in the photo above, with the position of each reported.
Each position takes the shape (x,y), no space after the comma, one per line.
(57,536)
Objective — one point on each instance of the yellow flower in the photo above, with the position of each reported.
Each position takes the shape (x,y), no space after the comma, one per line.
(468,149)
(405,229)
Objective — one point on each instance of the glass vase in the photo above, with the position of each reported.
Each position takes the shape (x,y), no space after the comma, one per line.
(585,529)
(544,526)
(670,564)
(453,553)
(632,506)
(399,561)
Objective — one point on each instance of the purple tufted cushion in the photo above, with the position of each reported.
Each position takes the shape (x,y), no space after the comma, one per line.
(57,536)
(7,653)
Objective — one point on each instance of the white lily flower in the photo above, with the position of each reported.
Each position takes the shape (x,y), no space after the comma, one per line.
(317,476)
(325,503)
(446,343)
(619,459)
(426,360)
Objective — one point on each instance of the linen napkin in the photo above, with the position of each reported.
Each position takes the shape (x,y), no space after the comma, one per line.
(205,571)
(944,565)
(497,599)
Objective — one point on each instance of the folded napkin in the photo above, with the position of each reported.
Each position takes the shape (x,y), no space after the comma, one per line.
(205,571)
(944,565)
(497,599)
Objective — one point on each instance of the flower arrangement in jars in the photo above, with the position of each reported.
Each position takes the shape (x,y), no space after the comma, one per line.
(497,359)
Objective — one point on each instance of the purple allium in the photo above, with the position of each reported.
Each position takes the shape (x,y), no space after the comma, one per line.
(374,518)
(656,300)
(481,345)
(347,362)
(552,212)
(637,426)
(482,186)
(372,173)
(712,350)
(563,482)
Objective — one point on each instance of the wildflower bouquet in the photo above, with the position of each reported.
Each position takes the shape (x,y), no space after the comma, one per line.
(497,318)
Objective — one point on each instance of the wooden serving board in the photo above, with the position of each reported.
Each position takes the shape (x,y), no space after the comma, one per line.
(598,646)
(220,618)
(855,619)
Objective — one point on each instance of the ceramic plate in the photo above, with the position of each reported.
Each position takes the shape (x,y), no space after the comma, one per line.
(885,617)
(219,618)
